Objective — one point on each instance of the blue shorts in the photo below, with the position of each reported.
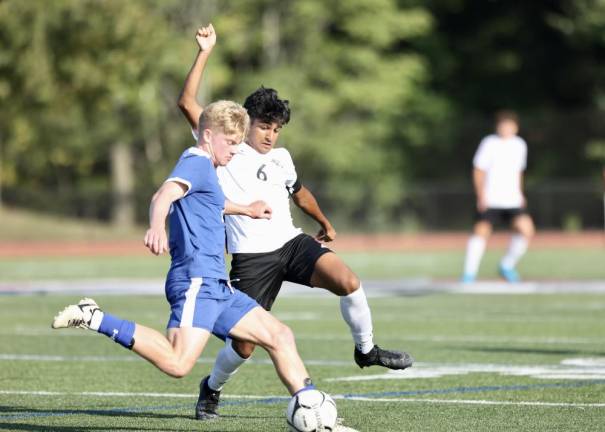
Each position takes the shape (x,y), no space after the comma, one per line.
(206,303)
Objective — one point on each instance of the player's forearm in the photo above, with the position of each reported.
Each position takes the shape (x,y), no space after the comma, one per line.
(158,211)
(232,208)
(305,200)
(161,202)
(187,101)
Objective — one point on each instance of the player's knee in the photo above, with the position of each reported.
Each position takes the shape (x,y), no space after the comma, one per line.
(281,336)
(351,283)
(243,349)
(177,369)
(526,228)
(482,229)
(286,336)
(530,230)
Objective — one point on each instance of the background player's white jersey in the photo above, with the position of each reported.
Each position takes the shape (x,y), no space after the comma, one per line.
(503,161)
(252,176)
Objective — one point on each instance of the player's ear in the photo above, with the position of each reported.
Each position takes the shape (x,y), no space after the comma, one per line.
(207,135)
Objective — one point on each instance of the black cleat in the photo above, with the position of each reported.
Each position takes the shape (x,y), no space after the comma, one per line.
(207,404)
(380,357)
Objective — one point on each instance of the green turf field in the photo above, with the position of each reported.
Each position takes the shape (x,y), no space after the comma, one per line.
(537,264)
(484,363)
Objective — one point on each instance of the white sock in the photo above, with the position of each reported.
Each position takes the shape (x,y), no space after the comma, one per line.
(516,249)
(356,312)
(226,365)
(474,252)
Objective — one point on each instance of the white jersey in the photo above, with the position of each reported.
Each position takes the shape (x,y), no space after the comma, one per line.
(251,176)
(503,161)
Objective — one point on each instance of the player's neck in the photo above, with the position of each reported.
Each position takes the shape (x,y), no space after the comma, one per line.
(207,148)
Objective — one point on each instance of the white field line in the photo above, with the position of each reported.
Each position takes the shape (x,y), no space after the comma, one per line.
(480,402)
(129,394)
(338,397)
(91,358)
(38,332)
(568,369)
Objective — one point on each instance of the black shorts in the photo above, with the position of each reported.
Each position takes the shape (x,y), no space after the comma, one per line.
(260,275)
(500,215)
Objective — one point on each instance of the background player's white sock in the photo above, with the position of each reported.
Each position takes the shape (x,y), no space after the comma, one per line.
(356,312)
(225,366)
(474,252)
(516,249)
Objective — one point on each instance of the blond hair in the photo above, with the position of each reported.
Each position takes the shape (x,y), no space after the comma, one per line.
(225,116)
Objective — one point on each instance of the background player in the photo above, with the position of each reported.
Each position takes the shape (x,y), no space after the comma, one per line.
(201,299)
(499,164)
(271,251)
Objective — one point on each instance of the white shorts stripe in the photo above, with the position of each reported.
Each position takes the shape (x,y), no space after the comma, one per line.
(190,300)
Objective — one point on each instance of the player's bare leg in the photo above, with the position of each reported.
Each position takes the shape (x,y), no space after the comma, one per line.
(475,249)
(174,355)
(333,274)
(524,231)
(257,327)
(261,328)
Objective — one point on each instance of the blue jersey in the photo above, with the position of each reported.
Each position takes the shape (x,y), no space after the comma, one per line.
(197,227)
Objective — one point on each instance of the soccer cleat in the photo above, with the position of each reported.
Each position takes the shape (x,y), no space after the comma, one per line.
(509,274)
(79,315)
(468,278)
(207,403)
(380,357)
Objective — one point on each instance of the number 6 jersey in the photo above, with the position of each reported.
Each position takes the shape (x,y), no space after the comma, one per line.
(253,176)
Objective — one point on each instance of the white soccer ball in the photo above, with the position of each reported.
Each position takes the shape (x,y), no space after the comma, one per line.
(311,411)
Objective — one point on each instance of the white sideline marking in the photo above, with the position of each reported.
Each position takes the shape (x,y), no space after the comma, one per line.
(569,369)
(35,332)
(339,397)
(482,402)
(127,394)
(122,358)
(469,338)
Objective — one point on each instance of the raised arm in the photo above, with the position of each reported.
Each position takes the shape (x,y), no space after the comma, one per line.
(305,200)
(188,104)
(155,237)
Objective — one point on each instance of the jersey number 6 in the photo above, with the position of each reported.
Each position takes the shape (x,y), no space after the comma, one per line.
(260,174)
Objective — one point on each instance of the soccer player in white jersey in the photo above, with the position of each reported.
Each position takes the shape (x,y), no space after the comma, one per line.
(268,252)
(201,299)
(499,165)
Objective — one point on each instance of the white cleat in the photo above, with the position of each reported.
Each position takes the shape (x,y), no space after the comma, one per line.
(74,316)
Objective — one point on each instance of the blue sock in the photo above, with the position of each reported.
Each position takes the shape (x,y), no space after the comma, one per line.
(118,330)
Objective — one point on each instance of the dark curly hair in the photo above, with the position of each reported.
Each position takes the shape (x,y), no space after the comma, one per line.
(264,105)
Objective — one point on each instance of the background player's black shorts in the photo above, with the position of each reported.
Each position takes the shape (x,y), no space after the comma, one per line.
(497,216)
(261,274)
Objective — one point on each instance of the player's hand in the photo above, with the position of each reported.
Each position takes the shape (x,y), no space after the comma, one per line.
(523,201)
(206,38)
(326,234)
(481,205)
(156,240)
(260,210)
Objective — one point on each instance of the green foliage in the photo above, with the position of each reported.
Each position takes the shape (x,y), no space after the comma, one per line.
(76,77)
(384,92)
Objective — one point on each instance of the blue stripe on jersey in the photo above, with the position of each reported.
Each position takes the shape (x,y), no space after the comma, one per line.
(197,228)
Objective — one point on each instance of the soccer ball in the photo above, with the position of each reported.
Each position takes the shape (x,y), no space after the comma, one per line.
(311,411)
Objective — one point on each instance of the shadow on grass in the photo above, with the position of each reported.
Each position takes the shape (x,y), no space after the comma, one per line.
(11,413)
